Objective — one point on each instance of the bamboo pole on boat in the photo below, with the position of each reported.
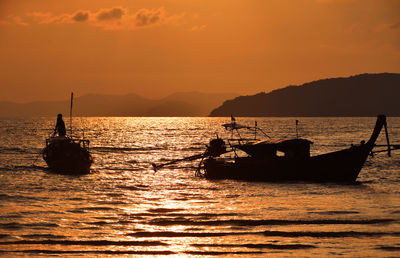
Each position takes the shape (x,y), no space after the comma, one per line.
(190,158)
(392,147)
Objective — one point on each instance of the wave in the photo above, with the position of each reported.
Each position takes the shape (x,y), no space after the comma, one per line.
(84,242)
(21,198)
(24,168)
(46,236)
(328,234)
(172,213)
(121,169)
(185,234)
(241,222)
(317,234)
(164,210)
(124,149)
(16,225)
(334,212)
(91,209)
(389,248)
(111,202)
(259,246)
(99,208)
(16,150)
(133,188)
(129,252)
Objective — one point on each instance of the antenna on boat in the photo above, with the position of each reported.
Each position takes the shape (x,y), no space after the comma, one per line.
(233,122)
(70,114)
(255,130)
(387,139)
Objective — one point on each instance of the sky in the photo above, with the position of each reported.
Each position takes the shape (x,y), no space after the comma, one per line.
(153,48)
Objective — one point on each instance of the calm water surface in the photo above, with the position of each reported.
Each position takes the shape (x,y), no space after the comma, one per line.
(124,207)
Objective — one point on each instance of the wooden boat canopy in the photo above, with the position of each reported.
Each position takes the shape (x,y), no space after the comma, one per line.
(291,148)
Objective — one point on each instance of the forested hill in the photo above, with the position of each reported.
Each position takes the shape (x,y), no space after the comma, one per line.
(359,95)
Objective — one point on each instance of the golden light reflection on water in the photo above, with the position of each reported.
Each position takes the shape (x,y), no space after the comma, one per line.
(126,208)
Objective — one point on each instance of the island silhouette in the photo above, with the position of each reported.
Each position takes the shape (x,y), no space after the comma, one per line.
(359,95)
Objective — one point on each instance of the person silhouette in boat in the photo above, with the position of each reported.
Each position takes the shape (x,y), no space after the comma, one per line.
(60,126)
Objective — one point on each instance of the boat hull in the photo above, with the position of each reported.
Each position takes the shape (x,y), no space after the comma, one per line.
(340,166)
(67,157)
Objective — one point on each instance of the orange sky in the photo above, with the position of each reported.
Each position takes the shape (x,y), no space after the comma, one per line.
(153,48)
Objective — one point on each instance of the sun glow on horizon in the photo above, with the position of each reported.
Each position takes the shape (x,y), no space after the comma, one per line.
(154,48)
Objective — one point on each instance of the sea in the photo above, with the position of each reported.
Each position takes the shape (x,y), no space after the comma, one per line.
(124,208)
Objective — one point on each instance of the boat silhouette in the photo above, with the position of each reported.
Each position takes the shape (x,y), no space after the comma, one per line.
(66,154)
(283,160)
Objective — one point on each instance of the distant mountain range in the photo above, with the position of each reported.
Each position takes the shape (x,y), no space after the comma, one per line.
(359,95)
(177,104)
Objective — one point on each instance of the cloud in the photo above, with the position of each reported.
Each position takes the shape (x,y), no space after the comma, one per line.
(110,14)
(14,19)
(114,18)
(81,16)
(49,18)
(199,27)
(146,17)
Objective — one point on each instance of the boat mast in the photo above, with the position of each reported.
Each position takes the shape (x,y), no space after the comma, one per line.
(70,114)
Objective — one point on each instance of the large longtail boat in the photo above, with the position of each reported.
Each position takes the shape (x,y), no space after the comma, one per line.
(284,160)
(66,154)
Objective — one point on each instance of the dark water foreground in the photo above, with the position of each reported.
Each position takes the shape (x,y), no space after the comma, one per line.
(124,208)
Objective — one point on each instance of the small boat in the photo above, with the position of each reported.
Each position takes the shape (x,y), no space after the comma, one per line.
(68,155)
(263,162)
